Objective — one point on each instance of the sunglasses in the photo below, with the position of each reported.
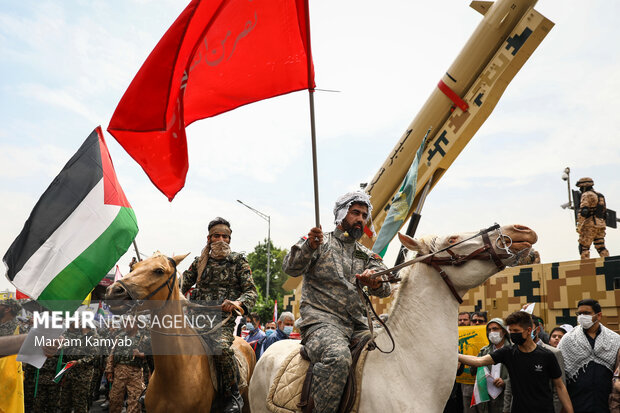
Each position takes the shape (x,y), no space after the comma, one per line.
(477,321)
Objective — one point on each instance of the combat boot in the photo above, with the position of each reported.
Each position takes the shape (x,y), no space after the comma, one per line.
(234,402)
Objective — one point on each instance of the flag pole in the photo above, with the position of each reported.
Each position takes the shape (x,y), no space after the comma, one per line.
(136,248)
(414,220)
(315,173)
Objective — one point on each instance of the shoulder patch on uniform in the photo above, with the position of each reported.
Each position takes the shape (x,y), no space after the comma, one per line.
(360,254)
(376,257)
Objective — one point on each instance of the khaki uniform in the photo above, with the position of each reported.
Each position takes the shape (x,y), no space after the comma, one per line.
(591,228)
(127,371)
(225,279)
(331,310)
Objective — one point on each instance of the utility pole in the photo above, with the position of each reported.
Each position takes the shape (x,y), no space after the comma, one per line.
(268,219)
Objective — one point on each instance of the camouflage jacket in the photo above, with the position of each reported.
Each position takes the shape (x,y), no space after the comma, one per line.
(123,353)
(590,199)
(8,328)
(226,279)
(79,348)
(329,294)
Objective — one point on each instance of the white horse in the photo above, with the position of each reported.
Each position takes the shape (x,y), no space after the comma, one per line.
(418,376)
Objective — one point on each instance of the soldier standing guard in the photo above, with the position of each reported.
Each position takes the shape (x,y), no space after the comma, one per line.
(591,219)
(222,276)
(332,313)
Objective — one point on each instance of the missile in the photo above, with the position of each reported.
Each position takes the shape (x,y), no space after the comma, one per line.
(464,98)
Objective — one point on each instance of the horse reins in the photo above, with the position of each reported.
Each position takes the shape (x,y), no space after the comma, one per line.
(170,284)
(486,252)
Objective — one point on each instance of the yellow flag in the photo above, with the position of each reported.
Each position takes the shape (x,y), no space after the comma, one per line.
(471,340)
(11,384)
(87,299)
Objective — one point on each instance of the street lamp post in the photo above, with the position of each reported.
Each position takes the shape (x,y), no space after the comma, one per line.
(268,219)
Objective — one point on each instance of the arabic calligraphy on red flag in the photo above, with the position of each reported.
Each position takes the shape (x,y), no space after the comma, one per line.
(217,56)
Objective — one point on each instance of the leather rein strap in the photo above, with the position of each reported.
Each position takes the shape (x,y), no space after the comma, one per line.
(485,252)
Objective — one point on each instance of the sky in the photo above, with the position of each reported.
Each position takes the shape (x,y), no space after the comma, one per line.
(66,64)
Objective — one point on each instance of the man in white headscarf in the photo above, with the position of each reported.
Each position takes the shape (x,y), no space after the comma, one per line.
(332,312)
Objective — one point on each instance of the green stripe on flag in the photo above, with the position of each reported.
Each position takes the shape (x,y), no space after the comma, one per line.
(76,280)
(481,390)
(400,206)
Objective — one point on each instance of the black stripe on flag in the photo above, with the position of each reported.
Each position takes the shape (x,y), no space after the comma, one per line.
(60,199)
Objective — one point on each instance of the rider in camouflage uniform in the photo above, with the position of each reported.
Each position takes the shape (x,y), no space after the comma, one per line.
(224,277)
(332,312)
(591,219)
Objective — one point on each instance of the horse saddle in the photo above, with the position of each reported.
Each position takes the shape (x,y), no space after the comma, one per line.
(290,390)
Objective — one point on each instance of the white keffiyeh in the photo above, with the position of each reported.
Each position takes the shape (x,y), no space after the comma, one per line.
(578,353)
(344,203)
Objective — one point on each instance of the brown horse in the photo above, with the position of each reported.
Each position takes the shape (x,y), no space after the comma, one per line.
(181,381)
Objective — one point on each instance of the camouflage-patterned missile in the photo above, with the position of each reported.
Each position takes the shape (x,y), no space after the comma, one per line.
(465,96)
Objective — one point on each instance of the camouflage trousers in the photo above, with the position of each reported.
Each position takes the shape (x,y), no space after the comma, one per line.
(224,358)
(588,233)
(47,398)
(328,349)
(74,390)
(127,379)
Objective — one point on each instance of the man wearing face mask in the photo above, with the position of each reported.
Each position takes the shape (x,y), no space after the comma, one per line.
(222,276)
(498,338)
(590,352)
(253,326)
(530,368)
(285,328)
(332,313)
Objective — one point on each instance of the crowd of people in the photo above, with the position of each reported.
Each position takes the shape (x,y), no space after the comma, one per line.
(571,369)
(112,378)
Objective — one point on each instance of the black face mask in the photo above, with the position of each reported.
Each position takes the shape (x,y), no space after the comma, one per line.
(517,338)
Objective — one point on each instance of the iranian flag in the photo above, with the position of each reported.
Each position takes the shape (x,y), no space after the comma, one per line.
(480,393)
(77,231)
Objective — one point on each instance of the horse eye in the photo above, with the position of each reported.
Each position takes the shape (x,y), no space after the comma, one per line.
(159,271)
(453,239)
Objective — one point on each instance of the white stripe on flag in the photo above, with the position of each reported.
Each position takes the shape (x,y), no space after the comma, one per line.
(85,224)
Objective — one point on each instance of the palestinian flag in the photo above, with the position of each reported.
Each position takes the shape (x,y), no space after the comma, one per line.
(76,232)
(63,371)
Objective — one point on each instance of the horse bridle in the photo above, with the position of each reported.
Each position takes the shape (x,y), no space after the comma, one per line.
(168,283)
(486,252)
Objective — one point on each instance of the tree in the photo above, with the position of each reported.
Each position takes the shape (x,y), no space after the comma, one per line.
(258,263)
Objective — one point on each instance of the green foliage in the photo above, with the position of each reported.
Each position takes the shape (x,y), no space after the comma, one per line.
(258,263)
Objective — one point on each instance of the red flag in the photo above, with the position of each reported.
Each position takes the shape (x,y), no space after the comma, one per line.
(275,311)
(218,55)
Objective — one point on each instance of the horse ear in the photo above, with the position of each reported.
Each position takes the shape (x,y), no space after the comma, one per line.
(410,243)
(179,258)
